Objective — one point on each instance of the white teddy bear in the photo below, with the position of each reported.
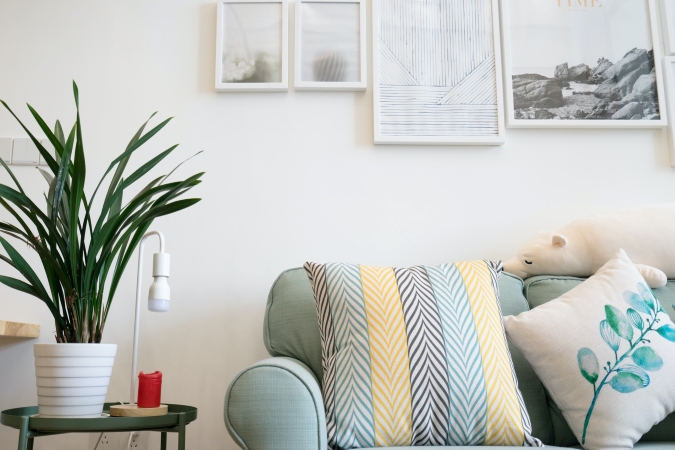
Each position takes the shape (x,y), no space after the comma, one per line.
(579,249)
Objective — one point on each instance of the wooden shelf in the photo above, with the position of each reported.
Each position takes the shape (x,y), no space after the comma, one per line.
(19,330)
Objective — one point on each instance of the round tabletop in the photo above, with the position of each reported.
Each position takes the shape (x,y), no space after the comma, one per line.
(14,417)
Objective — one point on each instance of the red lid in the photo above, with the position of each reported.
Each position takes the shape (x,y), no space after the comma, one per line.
(155,375)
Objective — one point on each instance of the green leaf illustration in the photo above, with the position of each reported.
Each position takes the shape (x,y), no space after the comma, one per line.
(588,364)
(635,319)
(667,331)
(648,296)
(648,359)
(636,302)
(609,336)
(619,323)
(627,382)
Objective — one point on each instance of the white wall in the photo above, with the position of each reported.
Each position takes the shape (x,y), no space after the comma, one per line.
(290,177)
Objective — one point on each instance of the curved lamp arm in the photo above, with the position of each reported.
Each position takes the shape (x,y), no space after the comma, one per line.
(162,260)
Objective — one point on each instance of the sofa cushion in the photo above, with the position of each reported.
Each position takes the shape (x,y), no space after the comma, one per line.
(291,329)
(424,348)
(542,289)
(635,342)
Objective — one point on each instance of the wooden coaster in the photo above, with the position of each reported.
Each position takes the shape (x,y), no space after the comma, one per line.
(135,411)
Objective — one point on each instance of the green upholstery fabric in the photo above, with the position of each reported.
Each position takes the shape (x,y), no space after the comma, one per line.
(542,289)
(276,404)
(291,329)
(291,325)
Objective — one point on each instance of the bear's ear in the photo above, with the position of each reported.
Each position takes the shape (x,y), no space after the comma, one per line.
(559,239)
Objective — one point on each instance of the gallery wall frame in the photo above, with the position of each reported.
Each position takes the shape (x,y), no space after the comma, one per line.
(586,108)
(669,75)
(330,45)
(668,24)
(442,87)
(252,46)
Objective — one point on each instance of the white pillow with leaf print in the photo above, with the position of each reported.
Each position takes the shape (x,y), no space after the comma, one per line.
(605,351)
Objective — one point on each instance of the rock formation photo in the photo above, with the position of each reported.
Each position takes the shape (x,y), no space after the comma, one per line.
(624,90)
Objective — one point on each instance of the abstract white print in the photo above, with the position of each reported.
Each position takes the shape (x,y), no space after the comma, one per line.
(252,43)
(437,74)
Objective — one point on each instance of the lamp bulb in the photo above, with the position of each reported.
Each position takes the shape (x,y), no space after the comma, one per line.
(160,295)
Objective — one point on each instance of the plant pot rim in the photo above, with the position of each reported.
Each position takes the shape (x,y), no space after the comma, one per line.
(74,350)
(69,343)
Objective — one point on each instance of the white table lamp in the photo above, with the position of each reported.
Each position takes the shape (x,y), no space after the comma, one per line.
(159,295)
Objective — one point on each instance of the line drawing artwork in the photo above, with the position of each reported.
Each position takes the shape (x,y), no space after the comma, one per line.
(437,66)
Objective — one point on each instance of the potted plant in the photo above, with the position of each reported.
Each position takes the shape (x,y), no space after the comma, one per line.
(84,244)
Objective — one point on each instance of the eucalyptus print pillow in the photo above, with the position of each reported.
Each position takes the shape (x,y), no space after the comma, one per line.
(606,353)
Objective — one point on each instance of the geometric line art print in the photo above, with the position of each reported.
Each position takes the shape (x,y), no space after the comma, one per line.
(437,68)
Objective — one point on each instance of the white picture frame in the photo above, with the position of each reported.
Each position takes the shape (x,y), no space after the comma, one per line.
(668,24)
(669,75)
(422,124)
(301,83)
(661,104)
(254,40)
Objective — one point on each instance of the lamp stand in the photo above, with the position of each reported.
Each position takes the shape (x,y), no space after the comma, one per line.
(137,324)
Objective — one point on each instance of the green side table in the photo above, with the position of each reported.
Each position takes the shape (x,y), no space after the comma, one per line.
(30,425)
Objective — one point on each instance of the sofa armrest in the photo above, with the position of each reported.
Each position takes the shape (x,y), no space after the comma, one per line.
(276,404)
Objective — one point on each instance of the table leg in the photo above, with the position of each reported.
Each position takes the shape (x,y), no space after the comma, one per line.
(163,446)
(23,433)
(181,431)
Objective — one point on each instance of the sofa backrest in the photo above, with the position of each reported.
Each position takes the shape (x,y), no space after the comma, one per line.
(291,329)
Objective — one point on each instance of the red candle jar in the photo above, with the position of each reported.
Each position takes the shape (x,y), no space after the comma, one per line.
(149,389)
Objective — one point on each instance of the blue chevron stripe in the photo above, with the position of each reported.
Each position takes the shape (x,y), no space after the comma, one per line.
(353,389)
(468,399)
(428,364)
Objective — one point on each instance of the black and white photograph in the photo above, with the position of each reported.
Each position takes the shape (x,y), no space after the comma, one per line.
(582,60)
(330,44)
(251,44)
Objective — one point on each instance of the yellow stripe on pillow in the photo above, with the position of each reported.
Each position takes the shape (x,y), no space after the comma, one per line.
(389,357)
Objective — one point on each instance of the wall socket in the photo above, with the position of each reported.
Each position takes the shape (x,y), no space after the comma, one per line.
(105,441)
(140,440)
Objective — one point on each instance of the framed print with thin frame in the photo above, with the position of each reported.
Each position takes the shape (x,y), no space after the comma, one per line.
(252,45)
(582,64)
(669,75)
(437,72)
(668,25)
(330,45)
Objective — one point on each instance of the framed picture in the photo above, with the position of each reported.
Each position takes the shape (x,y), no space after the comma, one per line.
(668,24)
(330,45)
(252,46)
(582,64)
(437,72)
(669,74)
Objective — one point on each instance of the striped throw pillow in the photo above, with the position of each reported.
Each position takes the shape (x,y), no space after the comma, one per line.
(416,357)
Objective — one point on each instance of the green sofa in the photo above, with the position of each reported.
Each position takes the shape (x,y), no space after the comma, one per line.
(277,404)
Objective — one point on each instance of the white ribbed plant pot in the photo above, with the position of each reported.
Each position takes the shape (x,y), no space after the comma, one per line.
(73,379)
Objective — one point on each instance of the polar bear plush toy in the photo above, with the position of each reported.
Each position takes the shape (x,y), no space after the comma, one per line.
(646,233)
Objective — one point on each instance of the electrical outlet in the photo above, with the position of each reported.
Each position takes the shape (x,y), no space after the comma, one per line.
(140,440)
(105,441)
